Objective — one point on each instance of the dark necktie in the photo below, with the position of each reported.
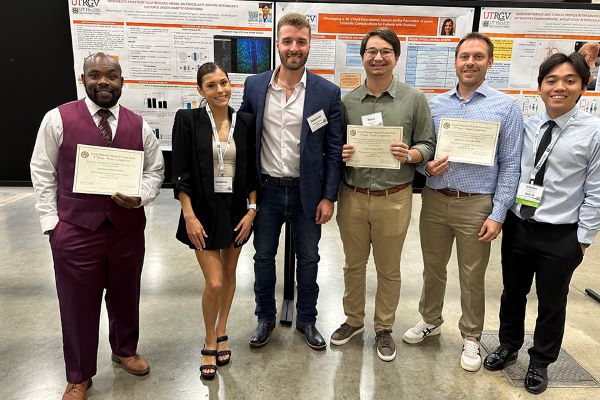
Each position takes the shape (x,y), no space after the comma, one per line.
(528,211)
(104,127)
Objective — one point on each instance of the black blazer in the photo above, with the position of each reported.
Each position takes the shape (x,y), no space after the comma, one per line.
(193,171)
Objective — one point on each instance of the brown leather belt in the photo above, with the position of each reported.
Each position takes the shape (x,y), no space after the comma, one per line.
(454,193)
(368,192)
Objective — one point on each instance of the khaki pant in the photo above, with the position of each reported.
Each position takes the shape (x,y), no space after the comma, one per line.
(381,222)
(442,220)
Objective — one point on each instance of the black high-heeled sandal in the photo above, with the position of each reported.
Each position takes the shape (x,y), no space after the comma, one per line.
(208,375)
(221,353)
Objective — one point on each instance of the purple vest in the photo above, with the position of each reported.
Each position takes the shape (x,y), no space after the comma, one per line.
(90,210)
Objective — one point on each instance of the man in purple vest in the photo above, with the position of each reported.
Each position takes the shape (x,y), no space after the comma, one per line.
(97,241)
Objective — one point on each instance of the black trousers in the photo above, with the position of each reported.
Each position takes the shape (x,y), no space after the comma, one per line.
(551,253)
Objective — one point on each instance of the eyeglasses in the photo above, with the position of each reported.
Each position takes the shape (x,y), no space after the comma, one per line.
(372,52)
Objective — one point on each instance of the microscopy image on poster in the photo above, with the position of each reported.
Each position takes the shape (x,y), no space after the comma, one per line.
(591,52)
(243,55)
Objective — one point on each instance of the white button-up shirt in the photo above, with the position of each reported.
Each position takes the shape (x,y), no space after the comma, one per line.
(282,126)
(44,162)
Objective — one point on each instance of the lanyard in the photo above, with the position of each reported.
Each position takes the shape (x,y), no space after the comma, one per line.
(220,152)
(548,150)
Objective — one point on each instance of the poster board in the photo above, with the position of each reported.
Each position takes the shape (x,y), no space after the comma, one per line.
(161,43)
(524,37)
(426,57)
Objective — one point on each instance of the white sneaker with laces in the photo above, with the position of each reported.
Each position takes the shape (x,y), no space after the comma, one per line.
(470,359)
(420,331)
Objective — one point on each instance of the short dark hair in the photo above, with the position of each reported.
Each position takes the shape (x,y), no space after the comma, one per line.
(575,59)
(386,34)
(101,55)
(208,68)
(296,20)
(476,36)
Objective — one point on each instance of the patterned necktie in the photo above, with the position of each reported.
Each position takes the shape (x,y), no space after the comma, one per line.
(104,127)
(528,211)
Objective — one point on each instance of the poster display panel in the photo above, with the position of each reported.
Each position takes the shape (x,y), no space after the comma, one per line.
(161,43)
(524,37)
(427,49)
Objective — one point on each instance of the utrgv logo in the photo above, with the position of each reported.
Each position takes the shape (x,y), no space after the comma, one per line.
(85,3)
(498,16)
(312,20)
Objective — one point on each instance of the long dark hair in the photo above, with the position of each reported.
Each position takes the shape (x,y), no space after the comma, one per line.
(443,31)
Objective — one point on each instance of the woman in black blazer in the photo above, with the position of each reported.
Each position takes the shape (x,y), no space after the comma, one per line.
(214,179)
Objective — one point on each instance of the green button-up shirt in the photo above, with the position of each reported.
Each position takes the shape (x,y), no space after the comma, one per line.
(399,105)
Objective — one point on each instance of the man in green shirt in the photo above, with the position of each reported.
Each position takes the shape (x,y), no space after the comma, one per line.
(375,204)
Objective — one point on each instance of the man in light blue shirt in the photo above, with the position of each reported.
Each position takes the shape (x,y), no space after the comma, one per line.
(467,202)
(555,218)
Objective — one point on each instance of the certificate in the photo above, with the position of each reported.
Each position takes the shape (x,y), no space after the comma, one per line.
(468,141)
(107,170)
(372,146)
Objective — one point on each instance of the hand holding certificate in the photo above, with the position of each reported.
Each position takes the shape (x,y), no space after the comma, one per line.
(107,170)
(372,146)
(467,141)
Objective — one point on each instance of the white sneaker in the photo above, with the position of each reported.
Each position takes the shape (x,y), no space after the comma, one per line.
(420,331)
(470,359)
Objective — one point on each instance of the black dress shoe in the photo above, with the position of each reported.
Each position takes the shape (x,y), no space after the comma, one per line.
(262,333)
(498,359)
(536,380)
(313,337)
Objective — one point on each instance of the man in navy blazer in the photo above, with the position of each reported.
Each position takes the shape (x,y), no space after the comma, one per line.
(299,139)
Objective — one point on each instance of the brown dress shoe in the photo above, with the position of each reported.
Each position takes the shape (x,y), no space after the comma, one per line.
(135,365)
(76,391)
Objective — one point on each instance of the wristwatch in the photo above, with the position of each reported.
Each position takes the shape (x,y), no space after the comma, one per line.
(252,206)
(408,157)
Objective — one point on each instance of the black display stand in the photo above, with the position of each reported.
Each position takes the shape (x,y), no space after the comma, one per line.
(287,305)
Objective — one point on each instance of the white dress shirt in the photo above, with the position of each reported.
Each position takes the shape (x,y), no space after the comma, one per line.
(572,177)
(282,126)
(44,162)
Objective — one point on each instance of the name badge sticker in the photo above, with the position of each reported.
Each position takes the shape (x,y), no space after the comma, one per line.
(375,119)
(317,120)
(529,195)
(223,184)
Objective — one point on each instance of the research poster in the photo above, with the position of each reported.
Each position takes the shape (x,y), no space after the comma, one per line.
(161,43)
(428,37)
(524,37)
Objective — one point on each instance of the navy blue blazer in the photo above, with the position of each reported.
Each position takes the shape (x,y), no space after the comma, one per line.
(321,164)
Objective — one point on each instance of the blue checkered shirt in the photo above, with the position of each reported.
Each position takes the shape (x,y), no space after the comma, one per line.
(501,179)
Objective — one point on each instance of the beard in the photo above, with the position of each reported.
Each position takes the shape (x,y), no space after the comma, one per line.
(294,66)
(101,99)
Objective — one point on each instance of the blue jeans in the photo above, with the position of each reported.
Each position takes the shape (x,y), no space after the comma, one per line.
(277,205)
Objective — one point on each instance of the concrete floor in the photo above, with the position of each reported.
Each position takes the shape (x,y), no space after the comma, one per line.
(31,362)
